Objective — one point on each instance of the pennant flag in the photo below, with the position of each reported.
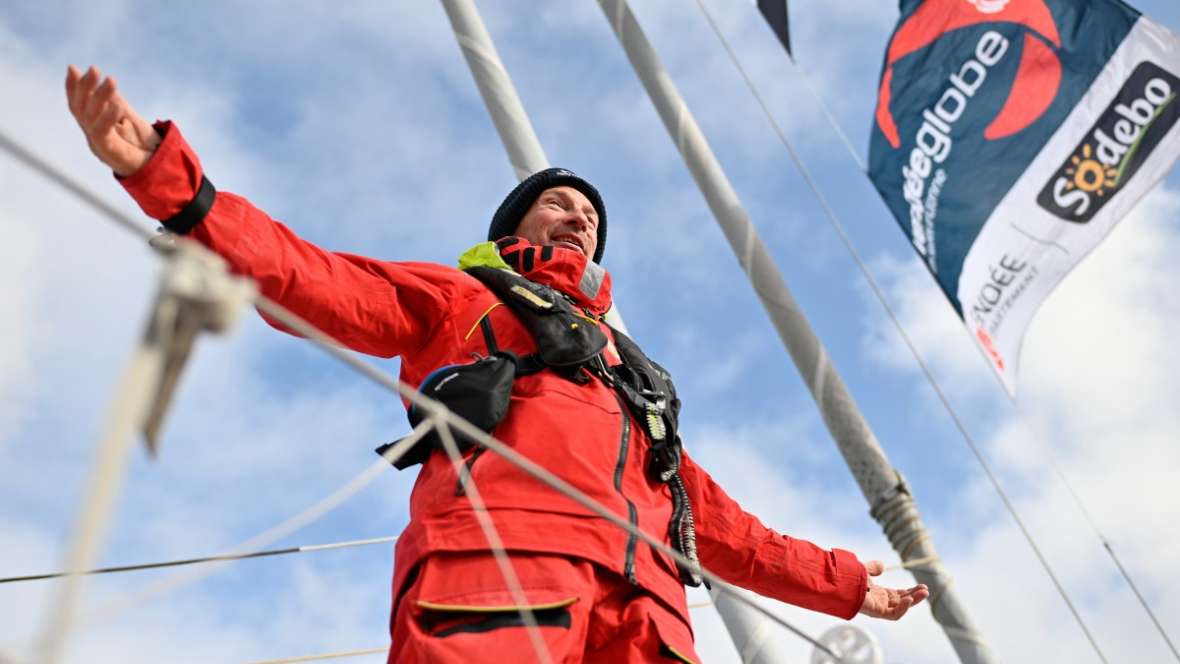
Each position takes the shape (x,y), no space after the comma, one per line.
(775,13)
(1011,136)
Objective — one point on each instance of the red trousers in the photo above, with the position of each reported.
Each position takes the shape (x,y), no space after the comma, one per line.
(459,610)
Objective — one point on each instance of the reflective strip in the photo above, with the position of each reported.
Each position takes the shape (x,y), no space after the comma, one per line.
(592,278)
(495,609)
(533,298)
(479,320)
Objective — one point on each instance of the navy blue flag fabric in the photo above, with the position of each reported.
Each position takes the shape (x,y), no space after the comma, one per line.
(775,13)
(1010,136)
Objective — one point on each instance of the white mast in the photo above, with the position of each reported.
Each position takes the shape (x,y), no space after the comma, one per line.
(527,157)
(495,86)
(499,96)
(885,490)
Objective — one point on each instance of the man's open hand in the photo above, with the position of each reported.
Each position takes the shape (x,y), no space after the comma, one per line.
(889,603)
(116,133)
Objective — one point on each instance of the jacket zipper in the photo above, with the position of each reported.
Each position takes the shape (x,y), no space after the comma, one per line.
(633,514)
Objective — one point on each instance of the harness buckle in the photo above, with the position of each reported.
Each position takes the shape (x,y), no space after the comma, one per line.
(599,368)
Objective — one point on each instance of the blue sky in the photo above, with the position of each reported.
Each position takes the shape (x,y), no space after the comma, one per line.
(358,124)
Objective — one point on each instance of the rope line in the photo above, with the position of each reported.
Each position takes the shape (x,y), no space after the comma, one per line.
(319,658)
(1094,526)
(1024,420)
(103,485)
(571,492)
(436,412)
(479,508)
(58,177)
(204,559)
(910,564)
(527,465)
(860,164)
(266,537)
(830,214)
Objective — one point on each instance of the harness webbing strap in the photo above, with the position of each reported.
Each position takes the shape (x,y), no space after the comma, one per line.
(489,336)
(572,349)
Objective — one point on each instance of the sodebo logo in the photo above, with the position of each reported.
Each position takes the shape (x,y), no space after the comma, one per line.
(1115,147)
(1032,92)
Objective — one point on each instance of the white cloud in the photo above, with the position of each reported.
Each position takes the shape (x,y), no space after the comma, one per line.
(367,134)
(1097,389)
(237,456)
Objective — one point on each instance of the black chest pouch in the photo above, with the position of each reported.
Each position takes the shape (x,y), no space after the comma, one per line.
(478,392)
(570,345)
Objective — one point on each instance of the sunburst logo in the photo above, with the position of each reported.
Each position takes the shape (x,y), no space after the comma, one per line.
(1119,142)
(1089,174)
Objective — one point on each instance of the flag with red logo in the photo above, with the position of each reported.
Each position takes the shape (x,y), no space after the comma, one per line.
(1010,137)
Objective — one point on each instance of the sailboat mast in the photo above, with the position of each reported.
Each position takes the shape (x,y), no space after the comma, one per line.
(527,156)
(499,96)
(889,498)
(496,89)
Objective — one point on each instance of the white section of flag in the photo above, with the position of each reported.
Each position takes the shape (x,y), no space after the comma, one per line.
(1023,251)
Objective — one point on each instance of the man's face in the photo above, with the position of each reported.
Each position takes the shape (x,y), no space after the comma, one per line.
(564,217)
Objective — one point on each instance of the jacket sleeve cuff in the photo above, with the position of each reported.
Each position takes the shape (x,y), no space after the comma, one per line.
(853,582)
(171,186)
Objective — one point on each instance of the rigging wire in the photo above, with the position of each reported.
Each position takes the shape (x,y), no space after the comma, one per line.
(436,413)
(1021,415)
(103,486)
(205,559)
(319,658)
(183,578)
(479,508)
(568,490)
(58,177)
(830,214)
(860,164)
(1025,419)
(910,564)
(916,562)
(273,534)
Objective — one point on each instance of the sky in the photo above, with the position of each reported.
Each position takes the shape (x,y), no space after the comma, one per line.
(359,125)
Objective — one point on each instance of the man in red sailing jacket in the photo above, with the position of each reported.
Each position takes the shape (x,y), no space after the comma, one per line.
(596,593)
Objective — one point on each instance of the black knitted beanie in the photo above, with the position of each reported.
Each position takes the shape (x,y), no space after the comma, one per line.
(521,198)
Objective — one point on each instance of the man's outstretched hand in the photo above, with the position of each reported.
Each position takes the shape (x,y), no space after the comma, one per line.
(116,133)
(889,603)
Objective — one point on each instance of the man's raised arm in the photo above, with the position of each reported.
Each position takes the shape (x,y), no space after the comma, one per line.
(372,306)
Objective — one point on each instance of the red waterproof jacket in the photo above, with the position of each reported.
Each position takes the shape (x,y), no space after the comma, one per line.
(428,314)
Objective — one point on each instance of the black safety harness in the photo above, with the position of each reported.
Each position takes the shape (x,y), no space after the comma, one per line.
(571,344)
